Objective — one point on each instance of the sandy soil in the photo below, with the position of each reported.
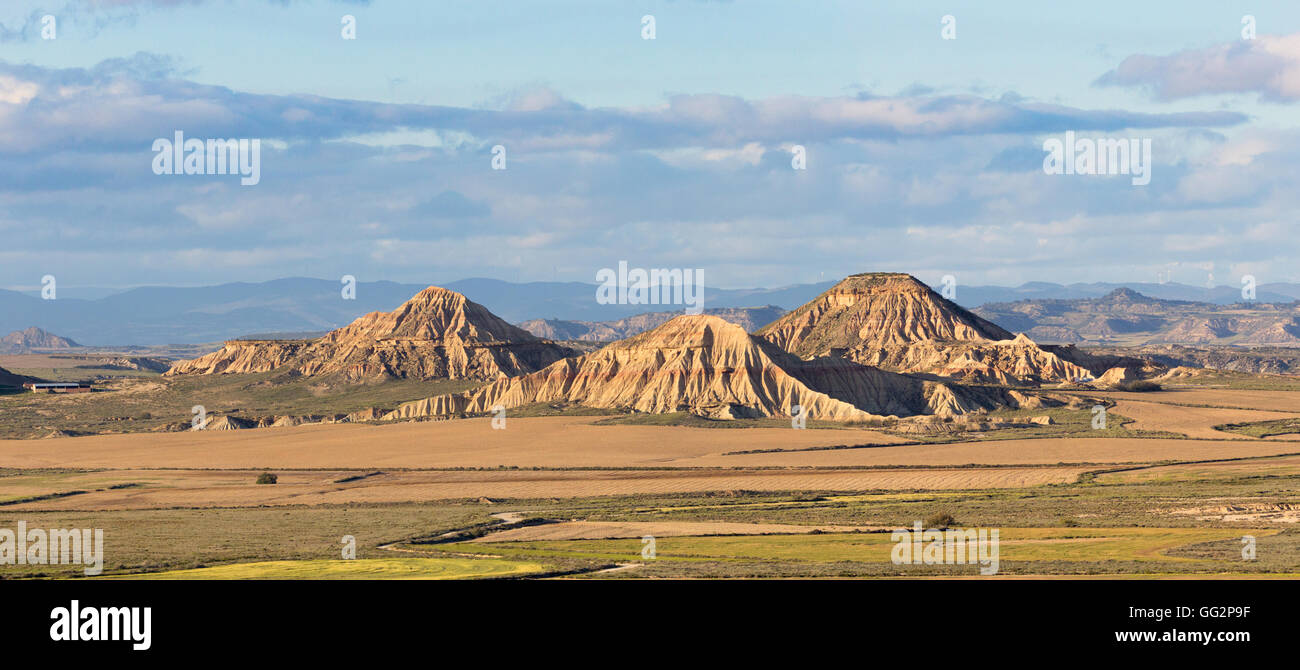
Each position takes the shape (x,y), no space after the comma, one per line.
(200,488)
(11,361)
(1011,452)
(1281,401)
(573,442)
(526,442)
(1247,512)
(1277,467)
(1195,422)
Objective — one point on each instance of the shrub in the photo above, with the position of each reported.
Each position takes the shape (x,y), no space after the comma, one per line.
(1140,386)
(267,478)
(940,520)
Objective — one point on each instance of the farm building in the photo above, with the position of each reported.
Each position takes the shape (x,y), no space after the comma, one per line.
(57,387)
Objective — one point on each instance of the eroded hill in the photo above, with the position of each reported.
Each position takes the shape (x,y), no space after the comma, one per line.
(438,334)
(33,339)
(710,367)
(895,322)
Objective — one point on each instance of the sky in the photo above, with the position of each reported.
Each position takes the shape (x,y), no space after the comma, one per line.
(920,154)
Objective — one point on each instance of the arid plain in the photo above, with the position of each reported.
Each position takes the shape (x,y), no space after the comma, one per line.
(790,452)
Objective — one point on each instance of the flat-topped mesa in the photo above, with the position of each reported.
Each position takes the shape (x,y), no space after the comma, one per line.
(895,322)
(436,334)
(706,366)
(874,310)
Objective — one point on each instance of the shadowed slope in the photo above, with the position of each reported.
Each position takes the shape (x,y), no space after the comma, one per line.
(709,367)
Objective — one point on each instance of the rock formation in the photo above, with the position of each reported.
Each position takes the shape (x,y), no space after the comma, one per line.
(895,322)
(436,334)
(25,341)
(1115,377)
(873,311)
(706,366)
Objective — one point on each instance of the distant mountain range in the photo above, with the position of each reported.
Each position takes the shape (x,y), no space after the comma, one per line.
(32,339)
(749,318)
(1129,318)
(187,315)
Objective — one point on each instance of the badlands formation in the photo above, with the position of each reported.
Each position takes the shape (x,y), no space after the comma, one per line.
(875,346)
(438,334)
(706,366)
(895,322)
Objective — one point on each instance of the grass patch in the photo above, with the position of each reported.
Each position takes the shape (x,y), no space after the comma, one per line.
(178,539)
(1262,429)
(161,403)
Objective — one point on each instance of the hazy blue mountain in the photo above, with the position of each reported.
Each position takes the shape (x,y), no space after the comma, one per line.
(974,296)
(183,315)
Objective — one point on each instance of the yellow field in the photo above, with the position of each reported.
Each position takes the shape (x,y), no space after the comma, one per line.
(1016,544)
(363,568)
(605,530)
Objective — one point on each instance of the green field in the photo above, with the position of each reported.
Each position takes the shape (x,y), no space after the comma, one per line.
(1263,429)
(1021,551)
(158,403)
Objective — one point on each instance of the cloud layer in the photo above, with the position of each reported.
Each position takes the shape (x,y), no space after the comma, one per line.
(1268,66)
(922,182)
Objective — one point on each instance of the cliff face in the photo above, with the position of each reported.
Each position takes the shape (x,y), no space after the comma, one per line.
(709,367)
(436,334)
(242,356)
(1002,362)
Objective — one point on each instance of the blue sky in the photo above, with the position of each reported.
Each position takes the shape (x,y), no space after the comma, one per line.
(924,154)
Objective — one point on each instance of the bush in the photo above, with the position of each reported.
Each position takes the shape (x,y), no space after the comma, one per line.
(1140,386)
(940,520)
(267,478)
